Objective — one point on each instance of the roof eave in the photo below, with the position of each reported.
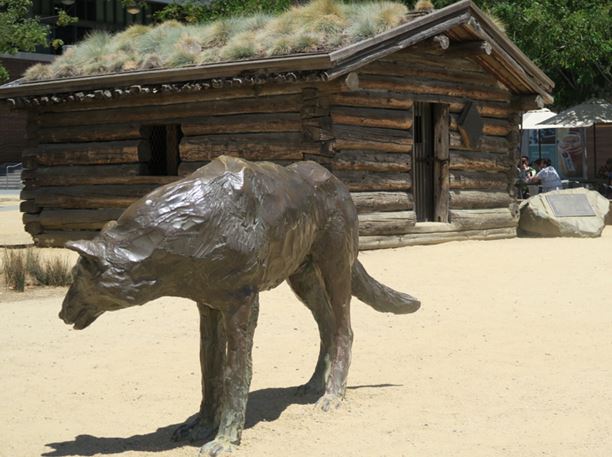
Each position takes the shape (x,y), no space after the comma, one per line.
(311,62)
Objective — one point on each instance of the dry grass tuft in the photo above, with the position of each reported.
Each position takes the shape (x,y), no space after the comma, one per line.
(499,23)
(14,269)
(424,5)
(24,266)
(320,25)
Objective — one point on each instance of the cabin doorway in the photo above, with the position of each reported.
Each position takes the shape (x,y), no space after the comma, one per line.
(430,177)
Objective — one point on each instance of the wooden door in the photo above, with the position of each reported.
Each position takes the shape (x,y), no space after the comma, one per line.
(430,177)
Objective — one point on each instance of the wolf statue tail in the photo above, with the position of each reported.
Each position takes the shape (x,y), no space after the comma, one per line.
(379,296)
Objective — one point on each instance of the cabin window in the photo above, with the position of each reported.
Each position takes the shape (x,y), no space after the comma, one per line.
(163,142)
(430,177)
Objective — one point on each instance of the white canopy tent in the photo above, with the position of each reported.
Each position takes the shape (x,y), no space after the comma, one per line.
(531,119)
(588,114)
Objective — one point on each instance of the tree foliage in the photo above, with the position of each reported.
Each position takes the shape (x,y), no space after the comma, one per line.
(571,40)
(18,31)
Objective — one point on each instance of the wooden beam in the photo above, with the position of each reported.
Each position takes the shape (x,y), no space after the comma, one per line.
(371,181)
(414,239)
(370,202)
(371,161)
(478,199)
(251,146)
(469,49)
(386,223)
(372,117)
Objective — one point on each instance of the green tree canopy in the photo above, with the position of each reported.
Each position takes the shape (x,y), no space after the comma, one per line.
(570,40)
(19,31)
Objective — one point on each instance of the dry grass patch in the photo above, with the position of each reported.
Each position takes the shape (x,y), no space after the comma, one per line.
(26,267)
(321,25)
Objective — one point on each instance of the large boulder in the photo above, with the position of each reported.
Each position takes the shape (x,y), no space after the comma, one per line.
(568,212)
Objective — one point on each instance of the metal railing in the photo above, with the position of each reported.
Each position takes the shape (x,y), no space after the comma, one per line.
(12,176)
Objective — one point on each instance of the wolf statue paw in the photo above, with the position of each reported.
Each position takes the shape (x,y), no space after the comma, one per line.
(328,402)
(219,447)
(194,430)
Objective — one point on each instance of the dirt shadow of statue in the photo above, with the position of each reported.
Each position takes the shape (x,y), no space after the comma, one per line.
(263,405)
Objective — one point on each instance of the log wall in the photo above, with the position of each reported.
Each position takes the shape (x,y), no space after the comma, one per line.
(372,124)
(91,160)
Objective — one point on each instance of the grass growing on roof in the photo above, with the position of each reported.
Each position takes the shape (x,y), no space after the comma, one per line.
(321,25)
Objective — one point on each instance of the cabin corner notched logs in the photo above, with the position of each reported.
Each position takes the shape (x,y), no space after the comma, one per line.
(89,161)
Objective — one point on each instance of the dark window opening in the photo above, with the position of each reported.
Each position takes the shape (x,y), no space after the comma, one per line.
(163,142)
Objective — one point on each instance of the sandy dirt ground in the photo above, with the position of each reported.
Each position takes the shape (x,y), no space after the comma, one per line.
(11,227)
(510,355)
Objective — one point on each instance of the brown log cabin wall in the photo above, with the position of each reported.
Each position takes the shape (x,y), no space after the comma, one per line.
(373,148)
(91,159)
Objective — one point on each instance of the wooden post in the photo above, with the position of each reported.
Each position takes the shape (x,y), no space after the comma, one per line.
(441,164)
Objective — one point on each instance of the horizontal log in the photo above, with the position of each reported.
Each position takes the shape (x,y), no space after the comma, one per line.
(480,219)
(77,197)
(469,49)
(386,223)
(42,176)
(243,123)
(414,239)
(366,181)
(77,134)
(379,139)
(434,59)
(108,152)
(372,117)
(174,113)
(372,99)
(424,70)
(499,110)
(186,168)
(426,86)
(487,143)
(33,227)
(58,238)
(77,219)
(371,202)
(164,99)
(478,180)
(371,161)
(29,206)
(476,199)
(251,146)
(479,161)
(494,127)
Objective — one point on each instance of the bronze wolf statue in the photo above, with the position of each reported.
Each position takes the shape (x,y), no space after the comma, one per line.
(219,237)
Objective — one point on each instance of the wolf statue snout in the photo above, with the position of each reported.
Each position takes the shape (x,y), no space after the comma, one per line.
(220,236)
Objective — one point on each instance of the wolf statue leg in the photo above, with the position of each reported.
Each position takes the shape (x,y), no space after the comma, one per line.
(336,273)
(308,285)
(239,322)
(213,342)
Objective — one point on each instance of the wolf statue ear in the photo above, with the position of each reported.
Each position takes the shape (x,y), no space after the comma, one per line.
(89,249)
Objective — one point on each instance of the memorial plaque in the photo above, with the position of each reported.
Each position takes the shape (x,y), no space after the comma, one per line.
(572,205)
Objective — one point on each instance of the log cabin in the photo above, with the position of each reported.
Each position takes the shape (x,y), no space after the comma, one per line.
(421,122)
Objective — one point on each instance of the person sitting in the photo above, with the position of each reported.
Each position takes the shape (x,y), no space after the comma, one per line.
(525,173)
(547,176)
